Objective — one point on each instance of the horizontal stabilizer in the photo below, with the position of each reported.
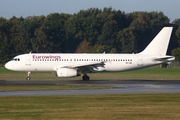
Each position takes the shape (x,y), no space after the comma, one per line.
(168,58)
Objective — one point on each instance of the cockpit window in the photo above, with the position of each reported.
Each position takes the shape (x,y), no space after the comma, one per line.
(15,59)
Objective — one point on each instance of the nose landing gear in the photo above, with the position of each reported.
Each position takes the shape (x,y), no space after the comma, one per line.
(28,76)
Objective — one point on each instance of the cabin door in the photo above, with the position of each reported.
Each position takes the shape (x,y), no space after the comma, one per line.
(140,60)
(28,59)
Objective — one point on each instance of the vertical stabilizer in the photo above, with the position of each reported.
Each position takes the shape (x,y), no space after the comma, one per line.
(159,45)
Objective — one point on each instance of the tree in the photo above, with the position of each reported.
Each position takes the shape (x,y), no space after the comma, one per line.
(128,40)
(176,52)
(84,47)
(176,21)
(91,30)
(51,35)
(109,34)
(99,48)
(27,31)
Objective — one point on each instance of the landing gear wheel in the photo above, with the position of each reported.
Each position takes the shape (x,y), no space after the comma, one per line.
(85,77)
(28,75)
(28,78)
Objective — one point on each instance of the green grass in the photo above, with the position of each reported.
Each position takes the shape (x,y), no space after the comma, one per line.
(153,73)
(92,107)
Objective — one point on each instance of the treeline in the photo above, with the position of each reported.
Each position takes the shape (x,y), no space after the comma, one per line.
(92,30)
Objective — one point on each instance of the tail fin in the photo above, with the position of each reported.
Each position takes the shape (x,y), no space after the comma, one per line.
(159,45)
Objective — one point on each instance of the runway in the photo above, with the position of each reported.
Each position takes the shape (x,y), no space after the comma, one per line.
(119,87)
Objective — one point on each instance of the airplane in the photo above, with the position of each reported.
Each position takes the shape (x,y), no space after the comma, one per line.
(72,64)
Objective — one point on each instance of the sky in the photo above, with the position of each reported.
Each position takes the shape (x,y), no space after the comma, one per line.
(25,8)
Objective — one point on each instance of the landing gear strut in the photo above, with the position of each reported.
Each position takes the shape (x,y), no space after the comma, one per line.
(85,77)
(28,76)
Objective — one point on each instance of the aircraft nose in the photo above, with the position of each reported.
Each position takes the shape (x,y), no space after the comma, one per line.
(8,66)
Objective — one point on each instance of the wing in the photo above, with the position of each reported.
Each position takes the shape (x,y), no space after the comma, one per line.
(88,67)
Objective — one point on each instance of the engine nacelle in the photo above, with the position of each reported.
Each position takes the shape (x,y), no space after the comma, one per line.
(67,72)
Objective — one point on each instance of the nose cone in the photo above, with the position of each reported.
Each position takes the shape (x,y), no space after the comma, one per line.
(9,66)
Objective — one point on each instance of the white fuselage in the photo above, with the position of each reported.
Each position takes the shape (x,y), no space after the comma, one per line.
(112,62)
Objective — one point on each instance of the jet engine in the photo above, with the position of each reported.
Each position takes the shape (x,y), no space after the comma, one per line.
(67,72)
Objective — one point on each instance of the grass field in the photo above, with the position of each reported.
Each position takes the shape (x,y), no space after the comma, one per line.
(153,73)
(92,107)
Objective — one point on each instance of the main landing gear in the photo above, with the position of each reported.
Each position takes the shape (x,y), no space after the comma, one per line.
(85,78)
(28,76)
